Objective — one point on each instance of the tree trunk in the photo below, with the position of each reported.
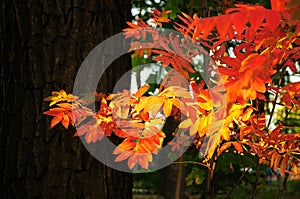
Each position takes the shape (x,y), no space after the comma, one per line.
(43,43)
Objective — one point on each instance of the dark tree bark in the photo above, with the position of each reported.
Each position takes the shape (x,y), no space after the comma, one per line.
(43,43)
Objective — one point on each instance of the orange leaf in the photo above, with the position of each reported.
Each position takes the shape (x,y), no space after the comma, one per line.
(276,161)
(148,144)
(142,90)
(132,161)
(295,167)
(126,145)
(65,121)
(284,163)
(144,159)
(224,146)
(238,147)
(71,117)
(273,158)
(123,156)
(56,120)
(154,104)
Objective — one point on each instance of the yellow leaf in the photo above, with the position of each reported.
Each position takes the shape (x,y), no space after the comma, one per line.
(295,167)
(185,123)
(176,102)
(212,144)
(246,115)
(142,103)
(195,127)
(203,125)
(175,91)
(155,108)
(225,132)
(154,104)
(168,107)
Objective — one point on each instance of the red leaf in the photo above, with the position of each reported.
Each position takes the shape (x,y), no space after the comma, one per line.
(272,19)
(291,65)
(222,23)
(239,20)
(208,23)
(278,5)
(256,18)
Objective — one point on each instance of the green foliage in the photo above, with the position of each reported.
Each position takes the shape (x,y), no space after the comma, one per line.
(196,176)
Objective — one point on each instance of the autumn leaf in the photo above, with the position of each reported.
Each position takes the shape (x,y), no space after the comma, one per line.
(224,146)
(159,17)
(59,96)
(238,147)
(278,5)
(92,131)
(62,114)
(222,24)
(141,91)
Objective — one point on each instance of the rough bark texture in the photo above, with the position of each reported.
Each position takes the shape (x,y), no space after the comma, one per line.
(43,43)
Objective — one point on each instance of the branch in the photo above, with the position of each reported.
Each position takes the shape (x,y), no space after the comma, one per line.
(280,81)
(283,185)
(178,179)
(256,179)
(238,182)
(191,162)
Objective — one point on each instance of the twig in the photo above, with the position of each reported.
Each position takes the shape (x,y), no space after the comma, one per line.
(238,182)
(274,105)
(283,185)
(256,179)
(178,179)
(286,116)
(191,162)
